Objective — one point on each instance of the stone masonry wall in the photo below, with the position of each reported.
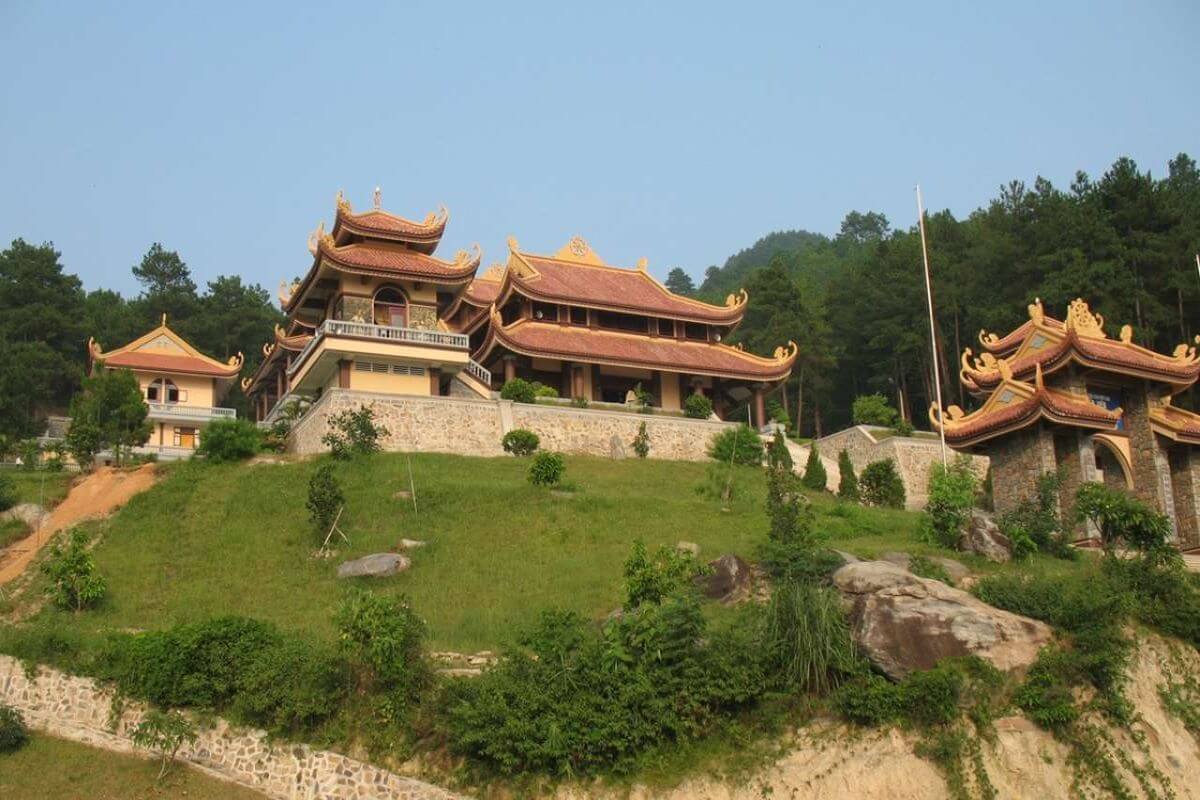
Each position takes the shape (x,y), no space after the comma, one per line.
(1151,472)
(914,458)
(1018,461)
(468,426)
(1185,484)
(77,709)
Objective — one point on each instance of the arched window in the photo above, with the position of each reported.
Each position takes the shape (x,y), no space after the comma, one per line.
(164,390)
(391,307)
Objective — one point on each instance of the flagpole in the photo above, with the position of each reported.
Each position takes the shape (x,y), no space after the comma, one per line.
(937,372)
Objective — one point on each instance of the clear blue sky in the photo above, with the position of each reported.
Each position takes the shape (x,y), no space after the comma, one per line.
(680,132)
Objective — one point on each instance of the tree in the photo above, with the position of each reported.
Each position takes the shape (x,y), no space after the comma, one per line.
(641,442)
(164,732)
(167,285)
(325,498)
(75,582)
(680,282)
(83,441)
(111,408)
(847,482)
(873,409)
(815,476)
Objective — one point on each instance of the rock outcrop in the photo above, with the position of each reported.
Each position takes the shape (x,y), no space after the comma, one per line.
(904,623)
(377,565)
(983,537)
(29,513)
(729,581)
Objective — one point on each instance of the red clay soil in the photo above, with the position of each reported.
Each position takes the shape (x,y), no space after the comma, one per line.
(97,495)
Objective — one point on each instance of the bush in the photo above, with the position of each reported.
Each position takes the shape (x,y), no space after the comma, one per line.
(384,639)
(951,494)
(542,390)
(806,638)
(30,453)
(325,498)
(925,567)
(354,433)
(519,390)
(815,477)
(641,442)
(903,428)
(579,402)
(847,482)
(778,455)
(791,551)
(928,699)
(13,733)
(163,732)
(697,406)
(1122,520)
(83,442)
(8,492)
(873,409)
(1034,524)
(75,582)
(547,469)
(290,686)
(880,485)
(776,413)
(653,581)
(229,440)
(520,442)
(742,445)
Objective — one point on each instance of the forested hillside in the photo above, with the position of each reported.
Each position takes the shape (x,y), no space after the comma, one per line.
(855,303)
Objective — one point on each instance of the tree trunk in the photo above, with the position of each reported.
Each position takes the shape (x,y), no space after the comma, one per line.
(958,350)
(1182,325)
(800,404)
(816,421)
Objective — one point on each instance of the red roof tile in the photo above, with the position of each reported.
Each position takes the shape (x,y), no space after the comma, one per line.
(380,259)
(381,224)
(551,340)
(168,362)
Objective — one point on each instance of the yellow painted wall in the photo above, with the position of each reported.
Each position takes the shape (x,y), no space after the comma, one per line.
(389,383)
(450,360)
(587,381)
(352,284)
(627,372)
(670,391)
(199,390)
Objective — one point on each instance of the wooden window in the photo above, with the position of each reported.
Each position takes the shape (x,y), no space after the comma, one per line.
(578,315)
(184,437)
(545,312)
(695,331)
(666,327)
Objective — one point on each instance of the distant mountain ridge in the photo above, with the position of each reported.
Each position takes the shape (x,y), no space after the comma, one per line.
(733,275)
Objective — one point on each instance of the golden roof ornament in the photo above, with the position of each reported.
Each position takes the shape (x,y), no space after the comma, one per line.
(1126,334)
(1081,320)
(246,381)
(164,320)
(1005,369)
(513,246)
(578,246)
(735,300)
(783,353)
(236,361)
(643,263)
(315,237)
(494,273)
(1036,312)
(267,349)
(377,198)
(342,203)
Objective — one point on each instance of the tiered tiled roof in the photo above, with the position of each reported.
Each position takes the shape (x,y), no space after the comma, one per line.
(379,224)
(1048,344)
(587,345)
(1176,424)
(576,275)
(163,350)
(1016,404)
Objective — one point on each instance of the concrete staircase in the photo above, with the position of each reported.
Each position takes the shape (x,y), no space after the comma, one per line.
(800,458)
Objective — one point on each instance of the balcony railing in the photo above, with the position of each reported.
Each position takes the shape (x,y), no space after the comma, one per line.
(176,411)
(479,373)
(362,330)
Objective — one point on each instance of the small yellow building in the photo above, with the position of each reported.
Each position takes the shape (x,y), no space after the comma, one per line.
(182,386)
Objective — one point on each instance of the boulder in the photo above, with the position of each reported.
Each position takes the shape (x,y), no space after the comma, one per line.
(29,513)
(955,569)
(983,537)
(904,623)
(729,582)
(409,544)
(377,565)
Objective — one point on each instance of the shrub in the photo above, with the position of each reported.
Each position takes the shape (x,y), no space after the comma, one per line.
(163,732)
(75,582)
(806,638)
(354,432)
(324,498)
(927,699)
(873,409)
(579,402)
(230,440)
(815,477)
(847,482)
(652,581)
(547,469)
(1122,520)
(8,492)
(542,390)
(30,453)
(13,733)
(1034,524)
(83,442)
(951,494)
(776,413)
(520,442)
(880,485)
(519,390)
(384,640)
(924,567)
(642,398)
(742,445)
(903,428)
(290,686)
(870,700)
(641,442)
(697,406)
(791,550)
(778,455)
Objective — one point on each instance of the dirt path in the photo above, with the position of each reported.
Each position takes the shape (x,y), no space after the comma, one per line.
(97,495)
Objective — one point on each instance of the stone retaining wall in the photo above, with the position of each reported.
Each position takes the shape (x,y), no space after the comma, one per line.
(77,709)
(474,427)
(913,456)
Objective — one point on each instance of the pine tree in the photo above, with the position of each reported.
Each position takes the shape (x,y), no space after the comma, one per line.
(848,483)
(814,471)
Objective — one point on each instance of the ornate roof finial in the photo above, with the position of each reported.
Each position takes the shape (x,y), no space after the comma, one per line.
(378,198)
(1036,312)
(342,203)
(1081,320)
(512,244)
(642,263)
(164,319)
(1005,369)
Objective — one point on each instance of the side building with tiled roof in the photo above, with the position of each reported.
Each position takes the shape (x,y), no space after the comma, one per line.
(183,388)
(595,333)
(1062,397)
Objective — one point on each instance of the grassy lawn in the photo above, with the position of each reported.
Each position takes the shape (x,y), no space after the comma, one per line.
(235,539)
(40,486)
(48,767)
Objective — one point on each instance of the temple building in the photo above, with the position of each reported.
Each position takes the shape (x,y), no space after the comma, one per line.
(595,332)
(377,312)
(181,385)
(1060,396)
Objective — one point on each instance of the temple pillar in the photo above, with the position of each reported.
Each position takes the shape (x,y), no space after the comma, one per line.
(577,389)
(510,368)
(1075,455)
(1184,461)
(435,382)
(1148,456)
(1018,461)
(760,405)
(670,396)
